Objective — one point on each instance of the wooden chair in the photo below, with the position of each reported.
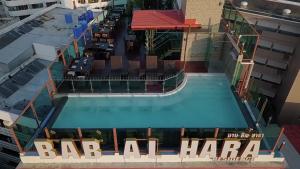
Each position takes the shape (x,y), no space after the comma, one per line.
(116,62)
(170,66)
(134,68)
(99,66)
(151,63)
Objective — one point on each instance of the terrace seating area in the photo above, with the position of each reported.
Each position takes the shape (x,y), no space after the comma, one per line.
(107,56)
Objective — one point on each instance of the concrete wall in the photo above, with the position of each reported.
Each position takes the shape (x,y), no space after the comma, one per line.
(196,46)
(45,51)
(290,112)
(288,96)
(206,12)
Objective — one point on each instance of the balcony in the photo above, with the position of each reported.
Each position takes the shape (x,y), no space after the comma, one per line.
(5,131)
(6,166)
(9,157)
(278,42)
(271,58)
(264,88)
(9,145)
(267,74)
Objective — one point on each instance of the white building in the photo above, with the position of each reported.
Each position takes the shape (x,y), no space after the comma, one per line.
(22,8)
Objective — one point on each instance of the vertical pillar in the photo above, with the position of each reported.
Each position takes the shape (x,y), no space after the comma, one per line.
(73,88)
(182,132)
(128,89)
(109,86)
(84,39)
(13,135)
(185,47)
(278,139)
(51,80)
(116,140)
(63,59)
(91,84)
(216,132)
(35,114)
(47,133)
(75,42)
(49,90)
(163,89)
(80,134)
(149,132)
(262,111)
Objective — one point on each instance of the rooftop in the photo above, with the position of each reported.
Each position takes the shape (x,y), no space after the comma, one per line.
(272,8)
(160,19)
(23,69)
(47,27)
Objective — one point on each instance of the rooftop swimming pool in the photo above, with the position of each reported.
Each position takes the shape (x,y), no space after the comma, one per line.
(206,101)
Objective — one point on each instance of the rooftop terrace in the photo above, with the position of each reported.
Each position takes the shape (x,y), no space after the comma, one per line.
(47,27)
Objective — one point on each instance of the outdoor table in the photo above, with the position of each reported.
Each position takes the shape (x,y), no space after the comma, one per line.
(130,37)
(111,18)
(116,10)
(102,45)
(83,65)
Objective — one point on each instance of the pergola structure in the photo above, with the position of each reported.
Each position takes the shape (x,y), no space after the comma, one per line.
(152,20)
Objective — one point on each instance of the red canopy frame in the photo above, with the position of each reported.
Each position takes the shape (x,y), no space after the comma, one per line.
(161,19)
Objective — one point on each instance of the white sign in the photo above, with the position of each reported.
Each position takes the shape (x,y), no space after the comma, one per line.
(232,149)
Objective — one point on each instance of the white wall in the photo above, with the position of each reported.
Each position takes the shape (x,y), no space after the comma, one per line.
(67,4)
(45,52)
(9,118)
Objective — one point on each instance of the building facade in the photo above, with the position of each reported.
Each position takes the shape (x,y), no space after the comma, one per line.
(275,76)
(23,9)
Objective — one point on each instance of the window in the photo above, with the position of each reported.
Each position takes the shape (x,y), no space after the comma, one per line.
(50,3)
(93,1)
(18,8)
(81,1)
(35,6)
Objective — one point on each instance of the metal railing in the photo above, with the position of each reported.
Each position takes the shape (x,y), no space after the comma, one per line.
(118,83)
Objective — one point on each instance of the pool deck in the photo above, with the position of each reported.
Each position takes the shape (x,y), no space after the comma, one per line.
(195,100)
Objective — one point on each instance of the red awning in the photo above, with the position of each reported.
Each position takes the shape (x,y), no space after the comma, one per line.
(161,19)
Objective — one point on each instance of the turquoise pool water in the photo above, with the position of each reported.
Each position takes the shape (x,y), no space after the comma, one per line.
(205,102)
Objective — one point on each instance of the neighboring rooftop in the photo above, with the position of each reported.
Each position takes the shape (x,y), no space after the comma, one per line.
(47,27)
(26,49)
(272,23)
(274,8)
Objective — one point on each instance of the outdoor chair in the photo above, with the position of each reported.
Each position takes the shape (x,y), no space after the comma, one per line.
(117,68)
(170,66)
(134,69)
(99,67)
